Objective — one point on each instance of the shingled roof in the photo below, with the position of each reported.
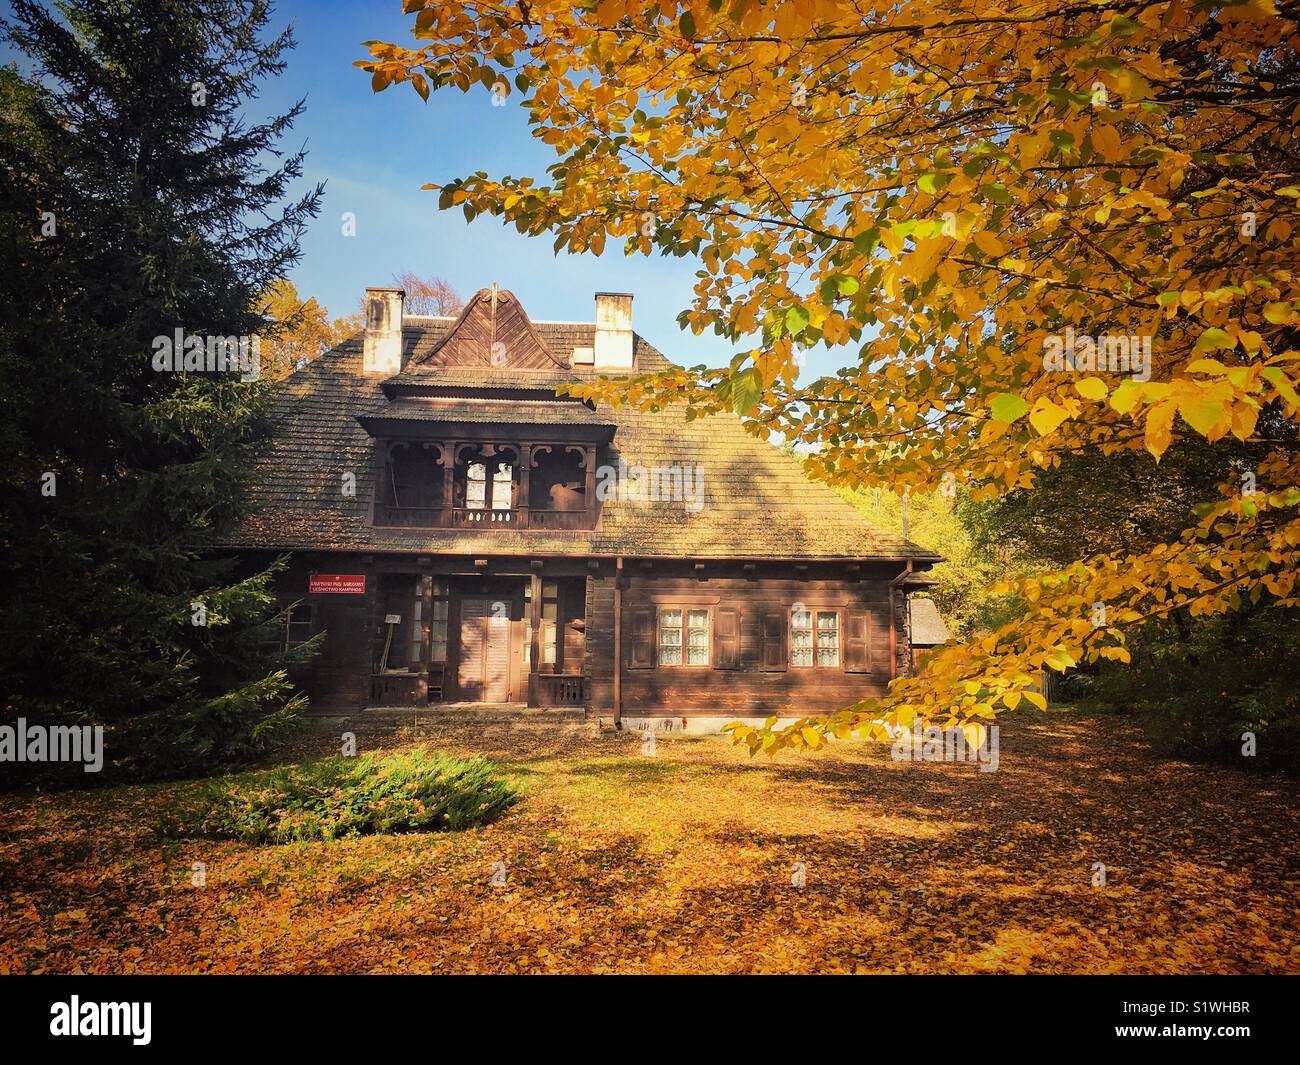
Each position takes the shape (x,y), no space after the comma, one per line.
(758,503)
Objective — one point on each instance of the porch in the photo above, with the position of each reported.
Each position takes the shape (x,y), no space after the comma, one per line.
(500,641)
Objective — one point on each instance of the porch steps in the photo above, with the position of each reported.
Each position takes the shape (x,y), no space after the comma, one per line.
(466,719)
(482,713)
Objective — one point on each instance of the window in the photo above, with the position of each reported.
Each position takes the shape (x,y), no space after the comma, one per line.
(476,486)
(417,629)
(697,637)
(814,639)
(692,624)
(550,620)
(299,626)
(296,630)
(503,487)
(550,623)
(438,623)
(828,639)
(801,638)
(670,637)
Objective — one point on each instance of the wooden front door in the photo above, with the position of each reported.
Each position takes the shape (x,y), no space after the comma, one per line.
(484,675)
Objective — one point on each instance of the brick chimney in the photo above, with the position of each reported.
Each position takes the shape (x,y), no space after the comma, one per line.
(382,349)
(613,331)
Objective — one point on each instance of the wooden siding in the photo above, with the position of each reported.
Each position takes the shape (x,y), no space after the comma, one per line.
(747,674)
(756,677)
(491,319)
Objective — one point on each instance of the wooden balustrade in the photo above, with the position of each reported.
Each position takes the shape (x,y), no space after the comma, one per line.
(558,689)
(474,518)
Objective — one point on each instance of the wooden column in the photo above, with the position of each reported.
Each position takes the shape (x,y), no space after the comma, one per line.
(589,496)
(535,625)
(449,457)
(525,464)
(426,629)
(618,642)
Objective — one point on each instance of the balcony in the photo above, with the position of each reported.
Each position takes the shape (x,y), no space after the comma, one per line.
(469,518)
(485,485)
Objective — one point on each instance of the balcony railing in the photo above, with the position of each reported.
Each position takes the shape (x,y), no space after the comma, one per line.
(481,518)
(558,689)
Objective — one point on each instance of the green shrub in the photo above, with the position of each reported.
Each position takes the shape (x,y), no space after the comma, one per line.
(416,791)
(1198,685)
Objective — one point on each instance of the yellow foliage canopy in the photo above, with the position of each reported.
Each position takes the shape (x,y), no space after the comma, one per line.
(1033,228)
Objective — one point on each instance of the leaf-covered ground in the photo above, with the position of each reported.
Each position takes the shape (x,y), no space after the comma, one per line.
(683,862)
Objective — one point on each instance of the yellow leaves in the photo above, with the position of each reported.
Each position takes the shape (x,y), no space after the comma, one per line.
(1106,141)
(1280,313)
(987,233)
(1159,427)
(919,266)
(1213,339)
(1046,416)
(1131,85)
(1285,388)
(1250,11)
(1032,147)
(989,244)
(1205,411)
(1092,388)
(835,329)
(1060,660)
(1037,698)
(1126,396)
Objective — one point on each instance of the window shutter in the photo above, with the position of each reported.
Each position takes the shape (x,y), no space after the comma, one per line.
(641,648)
(726,638)
(774,653)
(857,642)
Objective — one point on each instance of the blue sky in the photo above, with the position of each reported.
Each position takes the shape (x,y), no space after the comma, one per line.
(376,150)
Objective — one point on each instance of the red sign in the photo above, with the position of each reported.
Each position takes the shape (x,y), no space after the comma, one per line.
(337,584)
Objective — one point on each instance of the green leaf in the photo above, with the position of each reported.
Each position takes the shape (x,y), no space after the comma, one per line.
(1007,406)
(746,390)
(687,25)
(866,242)
(933,183)
(1212,340)
(796,320)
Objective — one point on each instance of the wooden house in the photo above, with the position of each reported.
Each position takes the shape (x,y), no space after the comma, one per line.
(464,534)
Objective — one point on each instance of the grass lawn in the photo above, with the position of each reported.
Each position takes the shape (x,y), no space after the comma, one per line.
(682,862)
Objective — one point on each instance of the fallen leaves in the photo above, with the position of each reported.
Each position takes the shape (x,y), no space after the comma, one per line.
(683,863)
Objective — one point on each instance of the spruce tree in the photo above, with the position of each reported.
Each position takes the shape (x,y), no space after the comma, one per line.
(138,199)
